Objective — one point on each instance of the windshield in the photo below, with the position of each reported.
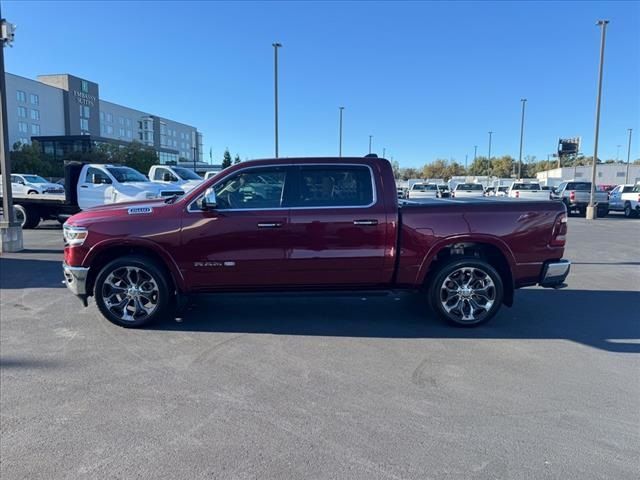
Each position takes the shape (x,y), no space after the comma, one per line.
(126,174)
(186,174)
(424,188)
(34,179)
(470,186)
(580,187)
(526,186)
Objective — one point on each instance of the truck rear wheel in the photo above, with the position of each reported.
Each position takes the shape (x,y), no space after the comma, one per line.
(466,291)
(132,291)
(26,216)
(628,211)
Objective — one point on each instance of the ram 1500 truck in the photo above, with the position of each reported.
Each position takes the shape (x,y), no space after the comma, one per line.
(312,224)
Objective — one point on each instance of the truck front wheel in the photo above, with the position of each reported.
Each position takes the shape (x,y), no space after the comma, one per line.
(26,216)
(132,291)
(466,291)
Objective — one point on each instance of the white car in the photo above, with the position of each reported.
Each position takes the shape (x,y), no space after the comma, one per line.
(502,191)
(423,190)
(625,198)
(100,184)
(468,190)
(26,184)
(529,191)
(182,177)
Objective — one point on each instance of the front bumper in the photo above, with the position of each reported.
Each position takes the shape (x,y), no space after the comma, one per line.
(555,273)
(75,278)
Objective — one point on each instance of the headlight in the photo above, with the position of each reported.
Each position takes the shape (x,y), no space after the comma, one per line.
(74,236)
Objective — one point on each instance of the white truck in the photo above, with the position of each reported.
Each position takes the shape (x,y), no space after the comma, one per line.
(527,191)
(468,190)
(88,185)
(625,198)
(172,175)
(28,184)
(420,191)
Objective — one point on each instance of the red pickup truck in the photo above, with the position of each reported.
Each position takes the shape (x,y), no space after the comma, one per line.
(312,224)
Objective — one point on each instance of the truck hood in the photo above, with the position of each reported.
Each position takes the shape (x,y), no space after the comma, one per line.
(141,208)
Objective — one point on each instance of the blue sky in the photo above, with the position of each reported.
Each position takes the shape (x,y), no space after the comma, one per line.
(427,80)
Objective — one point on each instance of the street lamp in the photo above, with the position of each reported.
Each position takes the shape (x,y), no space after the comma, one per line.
(524,101)
(626,178)
(370,138)
(340,140)
(489,157)
(591,209)
(10,230)
(276,46)
(475,152)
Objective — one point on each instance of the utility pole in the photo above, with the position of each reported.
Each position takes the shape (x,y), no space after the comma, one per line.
(370,138)
(10,230)
(524,101)
(489,157)
(276,46)
(340,140)
(591,209)
(475,152)
(626,178)
(466,161)
(384,153)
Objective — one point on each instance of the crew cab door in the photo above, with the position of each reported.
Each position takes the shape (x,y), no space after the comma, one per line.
(338,227)
(94,188)
(243,240)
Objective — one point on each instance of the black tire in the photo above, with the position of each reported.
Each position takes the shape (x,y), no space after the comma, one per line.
(628,211)
(603,212)
(482,271)
(107,290)
(27,217)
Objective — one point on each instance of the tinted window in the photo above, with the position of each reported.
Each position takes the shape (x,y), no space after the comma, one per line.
(126,174)
(469,186)
(100,176)
(627,189)
(579,186)
(250,189)
(339,186)
(526,186)
(187,174)
(158,174)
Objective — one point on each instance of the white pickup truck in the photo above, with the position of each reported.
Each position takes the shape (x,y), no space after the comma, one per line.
(423,190)
(625,198)
(86,186)
(468,190)
(527,191)
(172,175)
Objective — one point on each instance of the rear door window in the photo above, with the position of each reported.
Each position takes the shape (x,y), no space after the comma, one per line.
(334,186)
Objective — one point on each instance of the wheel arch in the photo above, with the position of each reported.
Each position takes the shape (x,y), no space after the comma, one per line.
(104,252)
(491,249)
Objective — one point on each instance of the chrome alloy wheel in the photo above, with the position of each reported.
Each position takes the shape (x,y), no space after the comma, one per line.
(468,293)
(130,293)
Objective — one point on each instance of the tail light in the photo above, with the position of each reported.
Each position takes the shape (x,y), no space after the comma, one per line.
(453,194)
(517,193)
(559,232)
(572,196)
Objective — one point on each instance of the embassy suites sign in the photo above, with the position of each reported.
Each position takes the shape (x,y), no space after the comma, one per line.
(84,98)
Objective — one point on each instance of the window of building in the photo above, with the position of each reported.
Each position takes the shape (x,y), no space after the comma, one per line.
(35,114)
(86,111)
(22,112)
(140,135)
(620,174)
(121,131)
(121,120)
(109,117)
(334,186)
(129,133)
(84,124)
(84,86)
(21,96)
(109,130)
(102,116)
(23,127)
(128,122)
(241,190)
(35,99)
(35,129)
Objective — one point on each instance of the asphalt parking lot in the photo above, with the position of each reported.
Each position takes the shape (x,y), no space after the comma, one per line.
(326,387)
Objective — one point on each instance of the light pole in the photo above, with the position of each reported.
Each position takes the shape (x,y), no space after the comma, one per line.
(466,161)
(489,157)
(384,153)
(591,209)
(340,140)
(194,159)
(626,178)
(10,230)
(475,152)
(524,102)
(370,138)
(276,46)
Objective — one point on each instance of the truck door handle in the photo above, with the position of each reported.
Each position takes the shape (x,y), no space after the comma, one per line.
(365,222)
(84,186)
(269,225)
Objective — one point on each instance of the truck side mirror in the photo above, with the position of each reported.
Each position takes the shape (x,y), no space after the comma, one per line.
(209,201)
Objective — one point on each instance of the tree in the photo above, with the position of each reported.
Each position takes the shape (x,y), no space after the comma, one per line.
(479,167)
(396,169)
(29,159)
(226,159)
(408,173)
(236,160)
(435,169)
(502,167)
